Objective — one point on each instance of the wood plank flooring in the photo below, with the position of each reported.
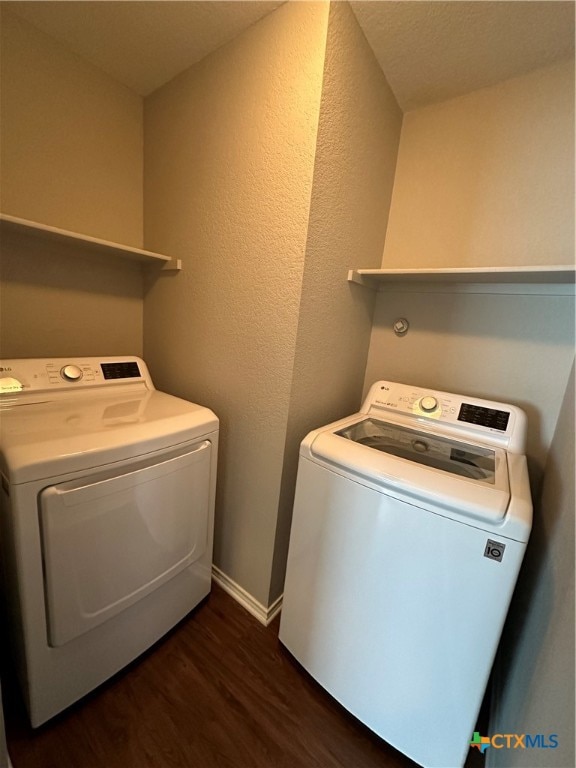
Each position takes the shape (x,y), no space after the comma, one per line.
(218,692)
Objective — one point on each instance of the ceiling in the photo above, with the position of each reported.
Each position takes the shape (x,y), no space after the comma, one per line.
(143,44)
(432,51)
(429,51)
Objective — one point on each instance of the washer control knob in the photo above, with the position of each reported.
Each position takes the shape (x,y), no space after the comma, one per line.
(428,404)
(71,373)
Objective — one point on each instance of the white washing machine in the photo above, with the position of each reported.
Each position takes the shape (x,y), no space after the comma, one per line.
(107,518)
(410,523)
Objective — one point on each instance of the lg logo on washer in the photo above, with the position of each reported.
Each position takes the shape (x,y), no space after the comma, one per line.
(494,550)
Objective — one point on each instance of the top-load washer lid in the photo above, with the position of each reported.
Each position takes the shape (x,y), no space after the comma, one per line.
(462,459)
(61,435)
(448,475)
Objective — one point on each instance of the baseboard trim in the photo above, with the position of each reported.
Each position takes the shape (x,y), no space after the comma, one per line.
(249,603)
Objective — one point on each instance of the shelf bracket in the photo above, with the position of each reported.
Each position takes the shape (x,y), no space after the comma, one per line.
(355,277)
(174,265)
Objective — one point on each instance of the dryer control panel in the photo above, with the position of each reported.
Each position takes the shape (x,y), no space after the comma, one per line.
(486,420)
(41,374)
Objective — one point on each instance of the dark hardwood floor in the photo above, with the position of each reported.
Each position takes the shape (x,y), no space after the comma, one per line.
(218,692)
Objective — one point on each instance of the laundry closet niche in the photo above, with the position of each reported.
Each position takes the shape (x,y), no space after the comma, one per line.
(264,167)
(270,168)
(71,158)
(487,179)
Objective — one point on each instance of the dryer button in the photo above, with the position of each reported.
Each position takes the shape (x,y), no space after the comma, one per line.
(71,373)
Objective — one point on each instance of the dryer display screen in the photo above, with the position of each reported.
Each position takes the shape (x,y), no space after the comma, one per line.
(120,370)
(484,417)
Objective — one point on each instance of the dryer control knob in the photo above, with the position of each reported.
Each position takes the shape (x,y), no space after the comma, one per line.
(428,403)
(71,373)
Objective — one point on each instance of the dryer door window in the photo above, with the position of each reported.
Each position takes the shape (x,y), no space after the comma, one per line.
(110,539)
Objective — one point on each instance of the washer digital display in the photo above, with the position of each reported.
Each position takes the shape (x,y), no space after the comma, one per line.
(484,417)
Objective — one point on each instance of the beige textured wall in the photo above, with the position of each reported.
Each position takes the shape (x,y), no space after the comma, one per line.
(485,179)
(55,302)
(71,157)
(71,144)
(488,179)
(356,151)
(229,158)
(534,680)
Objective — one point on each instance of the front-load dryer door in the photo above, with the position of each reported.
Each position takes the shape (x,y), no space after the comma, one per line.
(112,538)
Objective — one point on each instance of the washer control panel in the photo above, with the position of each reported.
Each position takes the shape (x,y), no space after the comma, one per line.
(420,402)
(55,373)
(429,404)
(472,416)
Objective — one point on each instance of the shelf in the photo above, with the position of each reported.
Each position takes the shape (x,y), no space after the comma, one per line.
(485,279)
(88,243)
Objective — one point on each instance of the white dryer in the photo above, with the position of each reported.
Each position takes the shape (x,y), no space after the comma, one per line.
(107,518)
(410,523)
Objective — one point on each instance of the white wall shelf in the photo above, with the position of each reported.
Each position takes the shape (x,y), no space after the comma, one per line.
(86,242)
(550,279)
